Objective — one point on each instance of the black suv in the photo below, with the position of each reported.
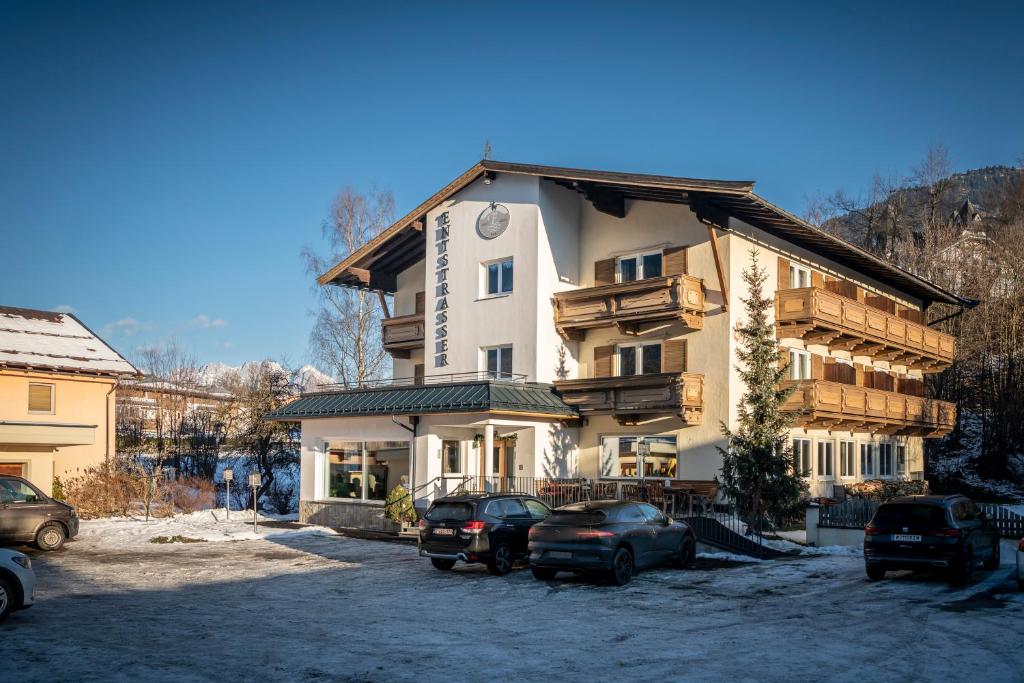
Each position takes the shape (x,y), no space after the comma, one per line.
(921,532)
(479,527)
(27,515)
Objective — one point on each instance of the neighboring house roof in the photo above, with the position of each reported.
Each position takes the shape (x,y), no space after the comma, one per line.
(163,386)
(57,342)
(467,397)
(375,264)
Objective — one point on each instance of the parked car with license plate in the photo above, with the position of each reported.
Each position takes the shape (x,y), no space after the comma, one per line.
(609,538)
(490,528)
(17,582)
(930,532)
(27,515)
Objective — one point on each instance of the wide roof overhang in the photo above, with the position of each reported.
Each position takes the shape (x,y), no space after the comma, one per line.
(377,263)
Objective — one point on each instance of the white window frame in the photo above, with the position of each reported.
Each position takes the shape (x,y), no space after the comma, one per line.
(638,356)
(640,459)
(462,459)
(825,465)
(799,365)
(639,256)
(797,457)
(799,276)
(848,461)
(886,448)
(53,398)
(902,466)
(501,349)
(868,453)
(485,280)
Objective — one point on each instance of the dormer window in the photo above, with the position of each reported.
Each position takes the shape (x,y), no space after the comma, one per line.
(638,266)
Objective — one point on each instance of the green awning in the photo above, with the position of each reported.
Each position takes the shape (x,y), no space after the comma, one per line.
(468,397)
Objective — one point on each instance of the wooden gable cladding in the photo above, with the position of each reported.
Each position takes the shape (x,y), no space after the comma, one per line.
(673,355)
(604,272)
(675,260)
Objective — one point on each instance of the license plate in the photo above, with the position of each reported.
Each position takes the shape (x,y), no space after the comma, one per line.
(444,532)
(559,555)
(907,538)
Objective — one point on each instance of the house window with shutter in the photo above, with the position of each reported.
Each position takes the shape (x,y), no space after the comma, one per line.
(40,398)
(799,364)
(638,359)
(638,266)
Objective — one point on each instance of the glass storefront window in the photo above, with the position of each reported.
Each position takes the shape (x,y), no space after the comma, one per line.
(626,456)
(361,470)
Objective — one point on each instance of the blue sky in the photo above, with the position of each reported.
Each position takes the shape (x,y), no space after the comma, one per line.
(163,164)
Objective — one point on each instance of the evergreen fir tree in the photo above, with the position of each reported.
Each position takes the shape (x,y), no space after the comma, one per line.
(757,473)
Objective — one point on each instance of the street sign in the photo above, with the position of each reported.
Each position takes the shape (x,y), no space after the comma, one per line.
(229,475)
(254,480)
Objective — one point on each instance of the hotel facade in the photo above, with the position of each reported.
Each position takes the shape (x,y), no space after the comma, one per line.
(553,323)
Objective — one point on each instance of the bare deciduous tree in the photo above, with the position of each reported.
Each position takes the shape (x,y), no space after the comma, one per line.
(346,336)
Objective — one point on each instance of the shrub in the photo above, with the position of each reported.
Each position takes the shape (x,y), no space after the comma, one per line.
(281,496)
(58,489)
(398,506)
(105,490)
(188,494)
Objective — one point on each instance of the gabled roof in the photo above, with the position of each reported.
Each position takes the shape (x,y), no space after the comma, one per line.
(493,396)
(57,342)
(376,264)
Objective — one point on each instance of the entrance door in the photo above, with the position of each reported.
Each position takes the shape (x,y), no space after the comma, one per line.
(501,465)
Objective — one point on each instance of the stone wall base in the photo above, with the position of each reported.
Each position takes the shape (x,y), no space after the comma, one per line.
(354,515)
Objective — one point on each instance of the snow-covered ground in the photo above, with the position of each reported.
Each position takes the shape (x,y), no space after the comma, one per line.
(307,604)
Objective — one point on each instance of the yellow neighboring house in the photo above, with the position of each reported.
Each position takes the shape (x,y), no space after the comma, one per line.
(57,404)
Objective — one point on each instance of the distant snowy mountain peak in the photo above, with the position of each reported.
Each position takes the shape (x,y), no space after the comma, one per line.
(308,377)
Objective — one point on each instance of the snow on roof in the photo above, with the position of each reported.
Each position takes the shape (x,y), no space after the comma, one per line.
(55,341)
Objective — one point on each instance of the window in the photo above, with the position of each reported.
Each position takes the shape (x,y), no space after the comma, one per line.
(799,276)
(867,460)
(363,470)
(885,459)
(451,457)
(901,461)
(498,361)
(40,398)
(631,514)
(802,457)
(18,492)
(537,509)
(624,456)
(498,277)
(652,514)
(509,507)
(826,459)
(639,359)
(799,364)
(847,459)
(638,266)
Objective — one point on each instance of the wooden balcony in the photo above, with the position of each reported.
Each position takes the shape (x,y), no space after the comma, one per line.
(402,334)
(820,404)
(639,398)
(629,305)
(818,316)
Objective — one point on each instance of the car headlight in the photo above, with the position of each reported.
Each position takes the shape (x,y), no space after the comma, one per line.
(23,560)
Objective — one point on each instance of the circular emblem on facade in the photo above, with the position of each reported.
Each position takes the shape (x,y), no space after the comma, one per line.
(493,221)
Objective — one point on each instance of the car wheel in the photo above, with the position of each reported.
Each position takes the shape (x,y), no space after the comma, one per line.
(687,554)
(6,597)
(501,563)
(963,571)
(544,573)
(993,562)
(622,567)
(440,563)
(51,537)
(876,572)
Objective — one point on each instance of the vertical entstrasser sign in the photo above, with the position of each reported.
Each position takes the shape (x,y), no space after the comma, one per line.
(441,292)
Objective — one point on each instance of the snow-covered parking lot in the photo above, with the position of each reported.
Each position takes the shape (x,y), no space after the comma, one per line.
(310,605)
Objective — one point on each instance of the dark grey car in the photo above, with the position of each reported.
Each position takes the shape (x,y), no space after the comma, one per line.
(27,515)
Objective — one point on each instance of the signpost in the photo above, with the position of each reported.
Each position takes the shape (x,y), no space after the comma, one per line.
(229,475)
(254,484)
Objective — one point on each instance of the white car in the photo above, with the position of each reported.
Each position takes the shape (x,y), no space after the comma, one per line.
(17,582)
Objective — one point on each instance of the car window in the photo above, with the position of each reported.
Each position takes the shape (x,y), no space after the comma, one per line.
(513,507)
(632,514)
(452,512)
(902,514)
(651,513)
(18,492)
(537,509)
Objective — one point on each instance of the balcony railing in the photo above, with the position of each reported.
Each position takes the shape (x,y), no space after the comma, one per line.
(630,304)
(402,333)
(631,400)
(818,316)
(820,404)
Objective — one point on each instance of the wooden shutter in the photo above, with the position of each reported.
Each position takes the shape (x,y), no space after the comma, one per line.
(911,314)
(673,355)
(604,272)
(421,304)
(675,261)
(817,279)
(817,366)
(784,359)
(783,273)
(417,373)
(603,360)
(859,374)
(40,398)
